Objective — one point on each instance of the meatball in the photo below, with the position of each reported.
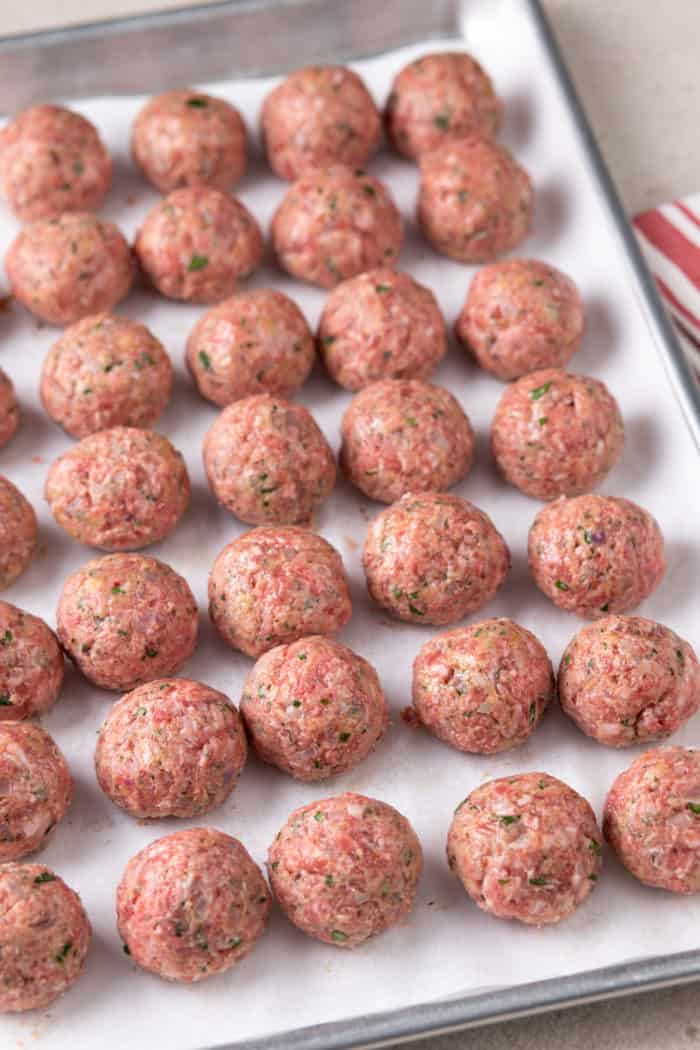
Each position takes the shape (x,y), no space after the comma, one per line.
(319,116)
(18,533)
(335,223)
(403,435)
(652,819)
(626,680)
(475,200)
(482,688)
(66,268)
(438,99)
(344,869)
(53,161)
(526,847)
(521,315)
(126,619)
(433,558)
(119,489)
(45,936)
(105,371)
(37,788)
(253,343)
(381,325)
(171,748)
(191,905)
(314,708)
(271,586)
(197,244)
(267,461)
(9,410)
(187,138)
(593,555)
(556,434)
(31,665)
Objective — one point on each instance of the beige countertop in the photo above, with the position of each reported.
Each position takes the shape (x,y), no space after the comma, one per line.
(636,65)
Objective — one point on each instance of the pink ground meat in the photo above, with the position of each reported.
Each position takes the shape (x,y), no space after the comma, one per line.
(37,788)
(31,665)
(18,533)
(9,410)
(191,905)
(526,847)
(314,708)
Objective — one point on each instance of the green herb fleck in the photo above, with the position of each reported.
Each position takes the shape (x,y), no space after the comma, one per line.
(296,703)
(301,656)
(127,950)
(540,391)
(509,818)
(117,589)
(60,958)
(329,880)
(46,876)
(382,288)
(197,262)
(368,190)
(151,652)
(338,935)
(319,815)
(6,638)
(593,878)
(140,710)
(412,421)
(539,881)
(197,103)
(560,585)
(594,846)
(343,737)
(694,807)
(415,610)
(542,420)
(442,121)
(205,360)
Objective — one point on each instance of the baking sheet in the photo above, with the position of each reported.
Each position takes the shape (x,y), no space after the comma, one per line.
(447,947)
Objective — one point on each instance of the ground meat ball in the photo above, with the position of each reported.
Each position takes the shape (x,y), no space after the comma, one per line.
(53,161)
(344,869)
(434,558)
(126,619)
(272,586)
(335,223)
(438,99)
(405,436)
(526,847)
(191,905)
(556,434)
(187,138)
(267,461)
(482,688)
(314,708)
(37,788)
(521,315)
(31,665)
(596,554)
(475,200)
(45,935)
(197,244)
(18,533)
(9,410)
(119,489)
(381,325)
(171,748)
(253,343)
(319,116)
(626,680)
(105,371)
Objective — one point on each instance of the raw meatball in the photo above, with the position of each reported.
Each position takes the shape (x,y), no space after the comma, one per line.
(596,554)
(475,200)
(335,223)
(119,489)
(344,869)
(45,935)
(319,116)
(191,905)
(556,434)
(197,244)
(9,410)
(482,688)
(187,138)
(434,558)
(18,533)
(438,99)
(31,665)
(53,161)
(67,268)
(267,461)
(314,708)
(652,819)
(403,435)
(254,343)
(37,788)
(626,680)
(381,325)
(126,619)
(171,748)
(521,315)
(271,586)
(105,371)
(526,847)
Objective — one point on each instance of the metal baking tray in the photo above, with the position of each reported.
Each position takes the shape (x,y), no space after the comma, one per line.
(249,38)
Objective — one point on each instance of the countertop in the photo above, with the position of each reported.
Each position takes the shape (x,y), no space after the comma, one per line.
(635,63)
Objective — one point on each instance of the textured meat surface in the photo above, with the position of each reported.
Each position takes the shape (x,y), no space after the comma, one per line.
(18,533)
(36,788)
(31,664)
(9,410)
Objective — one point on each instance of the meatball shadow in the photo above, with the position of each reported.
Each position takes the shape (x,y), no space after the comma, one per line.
(678,589)
(640,451)
(519,119)
(551,213)
(601,335)
(35,432)
(518,590)
(76,701)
